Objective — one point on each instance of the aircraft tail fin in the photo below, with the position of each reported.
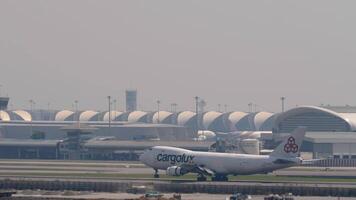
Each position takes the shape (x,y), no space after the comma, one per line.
(290,147)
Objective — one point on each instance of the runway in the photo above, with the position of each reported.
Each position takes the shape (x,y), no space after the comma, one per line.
(184,187)
(125,169)
(122,196)
(118,176)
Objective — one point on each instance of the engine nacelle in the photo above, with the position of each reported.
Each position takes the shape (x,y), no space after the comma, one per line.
(175,171)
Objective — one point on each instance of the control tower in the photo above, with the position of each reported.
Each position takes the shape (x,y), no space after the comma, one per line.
(4,101)
(131,100)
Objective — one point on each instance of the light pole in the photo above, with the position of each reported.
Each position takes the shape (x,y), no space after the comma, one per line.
(76,109)
(32,102)
(174,107)
(197,110)
(114,104)
(225,107)
(115,108)
(282,101)
(158,102)
(250,107)
(76,117)
(0,111)
(49,113)
(219,107)
(109,105)
(0,90)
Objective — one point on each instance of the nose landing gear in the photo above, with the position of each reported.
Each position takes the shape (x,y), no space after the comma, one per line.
(156,175)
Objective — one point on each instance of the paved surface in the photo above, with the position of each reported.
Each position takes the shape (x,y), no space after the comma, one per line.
(55,170)
(200,196)
(94,167)
(332,172)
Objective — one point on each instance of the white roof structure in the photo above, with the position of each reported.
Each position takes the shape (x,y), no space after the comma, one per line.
(246,123)
(316,119)
(234,118)
(211,118)
(87,115)
(350,118)
(23,114)
(113,114)
(260,119)
(137,116)
(4,116)
(63,115)
(164,117)
(186,117)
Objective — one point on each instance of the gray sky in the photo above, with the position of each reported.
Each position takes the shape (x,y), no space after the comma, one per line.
(228,52)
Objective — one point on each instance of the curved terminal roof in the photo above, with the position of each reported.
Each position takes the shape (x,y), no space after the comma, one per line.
(267,125)
(137,116)
(63,115)
(213,121)
(234,118)
(4,116)
(23,114)
(164,117)
(246,123)
(187,118)
(315,119)
(260,118)
(350,118)
(88,115)
(241,121)
(115,115)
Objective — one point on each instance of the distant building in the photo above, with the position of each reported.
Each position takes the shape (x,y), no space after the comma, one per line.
(131,100)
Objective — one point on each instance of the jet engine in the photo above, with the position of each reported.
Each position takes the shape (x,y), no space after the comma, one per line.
(175,171)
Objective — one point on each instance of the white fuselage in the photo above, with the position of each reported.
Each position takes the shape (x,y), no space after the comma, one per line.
(161,157)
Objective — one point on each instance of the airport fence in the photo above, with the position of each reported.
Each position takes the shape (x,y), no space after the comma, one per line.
(333,163)
(297,188)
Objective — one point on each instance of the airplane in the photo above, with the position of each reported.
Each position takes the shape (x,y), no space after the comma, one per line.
(178,161)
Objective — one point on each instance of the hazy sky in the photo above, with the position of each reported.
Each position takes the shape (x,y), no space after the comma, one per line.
(228,52)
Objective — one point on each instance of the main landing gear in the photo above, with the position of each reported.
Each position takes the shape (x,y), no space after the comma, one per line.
(156,175)
(220,177)
(201,177)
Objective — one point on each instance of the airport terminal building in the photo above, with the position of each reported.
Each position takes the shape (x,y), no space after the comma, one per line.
(39,133)
(330,130)
(134,125)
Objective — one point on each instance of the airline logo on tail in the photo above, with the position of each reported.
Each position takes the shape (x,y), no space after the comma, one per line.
(291,146)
